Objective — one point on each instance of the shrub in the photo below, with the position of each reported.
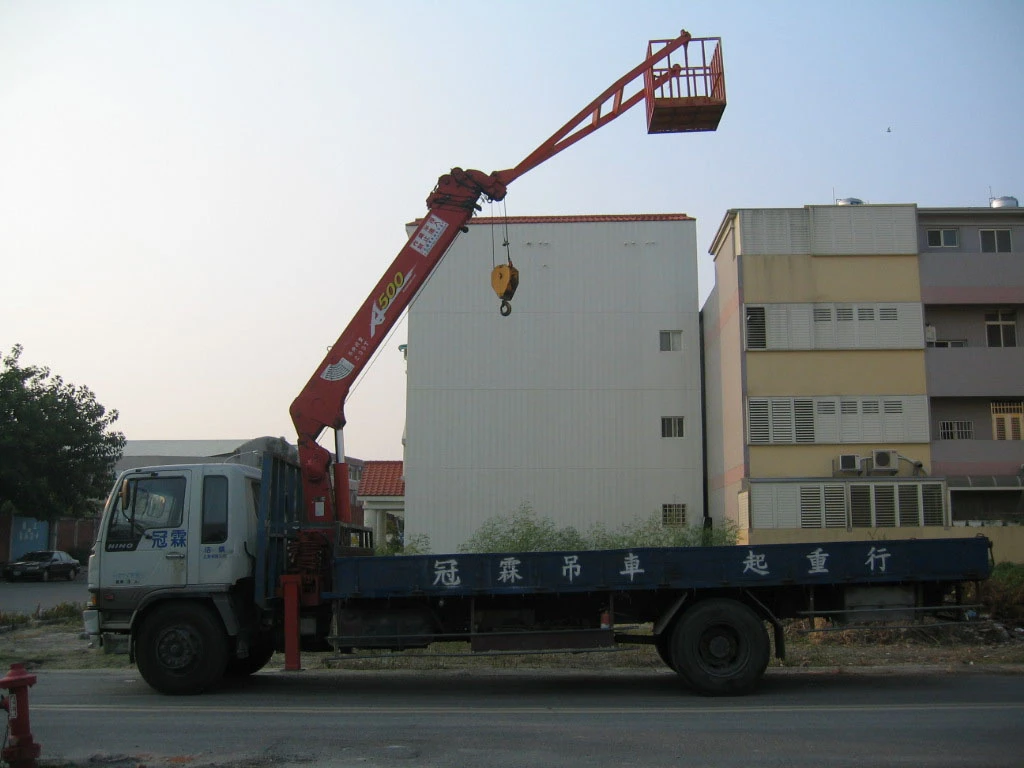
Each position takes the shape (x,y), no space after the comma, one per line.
(650,532)
(418,544)
(1003,593)
(525,531)
(59,612)
(63,611)
(8,619)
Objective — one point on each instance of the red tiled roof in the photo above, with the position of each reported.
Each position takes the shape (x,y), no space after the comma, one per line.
(573,219)
(382,478)
(582,218)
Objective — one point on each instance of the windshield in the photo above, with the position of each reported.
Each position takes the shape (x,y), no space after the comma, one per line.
(37,557)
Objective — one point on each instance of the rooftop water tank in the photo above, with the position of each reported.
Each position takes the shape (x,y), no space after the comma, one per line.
(1003,202)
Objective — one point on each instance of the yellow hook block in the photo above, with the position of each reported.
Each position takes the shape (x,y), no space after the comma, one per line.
(504,281)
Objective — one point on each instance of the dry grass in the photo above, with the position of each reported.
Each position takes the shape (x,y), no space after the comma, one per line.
(50,645)
(983,642)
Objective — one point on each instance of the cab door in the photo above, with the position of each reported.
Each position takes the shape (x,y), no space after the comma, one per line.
(226,523)
(145,539)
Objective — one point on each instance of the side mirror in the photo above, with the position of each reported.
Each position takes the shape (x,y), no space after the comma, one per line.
(126,495)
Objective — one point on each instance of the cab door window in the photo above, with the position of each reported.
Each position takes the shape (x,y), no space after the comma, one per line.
(215,509)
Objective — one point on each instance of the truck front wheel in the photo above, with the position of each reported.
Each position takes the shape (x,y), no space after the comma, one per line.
(181,649)
(720,648)
(261,648)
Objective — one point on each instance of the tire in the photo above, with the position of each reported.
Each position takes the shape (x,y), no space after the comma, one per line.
(720,648)
(663,645)
(260,651)
(72,574)
(181,649)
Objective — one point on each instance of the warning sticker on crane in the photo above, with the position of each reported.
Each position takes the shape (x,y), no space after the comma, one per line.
(423,242)
(337,371)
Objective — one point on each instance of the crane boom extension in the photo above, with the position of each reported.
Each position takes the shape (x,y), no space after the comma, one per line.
(320,404)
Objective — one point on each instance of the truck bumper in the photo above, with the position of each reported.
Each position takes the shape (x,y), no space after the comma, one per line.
(91,619)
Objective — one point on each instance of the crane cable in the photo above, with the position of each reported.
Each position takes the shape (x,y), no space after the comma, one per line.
(505,277)
(506,244)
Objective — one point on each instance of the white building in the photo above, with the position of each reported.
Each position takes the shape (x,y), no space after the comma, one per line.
(584,403)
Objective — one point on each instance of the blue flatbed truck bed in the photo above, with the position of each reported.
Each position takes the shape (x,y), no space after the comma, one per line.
(705,609)
(676,568)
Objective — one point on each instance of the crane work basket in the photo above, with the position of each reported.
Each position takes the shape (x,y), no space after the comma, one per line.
(692,98)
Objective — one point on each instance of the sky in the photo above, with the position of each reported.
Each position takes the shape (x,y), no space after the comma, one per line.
(196,196)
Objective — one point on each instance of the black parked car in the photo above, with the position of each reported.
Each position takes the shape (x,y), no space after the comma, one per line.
(44,565)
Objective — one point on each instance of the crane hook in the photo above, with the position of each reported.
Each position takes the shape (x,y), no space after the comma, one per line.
(505,280)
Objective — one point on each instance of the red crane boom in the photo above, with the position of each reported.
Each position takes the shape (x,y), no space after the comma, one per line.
(680,97)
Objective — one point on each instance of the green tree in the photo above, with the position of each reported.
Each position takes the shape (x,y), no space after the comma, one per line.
(57,450)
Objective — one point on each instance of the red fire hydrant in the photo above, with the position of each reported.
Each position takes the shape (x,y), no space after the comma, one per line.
(21,751)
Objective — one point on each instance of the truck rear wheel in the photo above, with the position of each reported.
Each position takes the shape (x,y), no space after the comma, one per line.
(720,648)
(663,645)
(260,650)
(181,649)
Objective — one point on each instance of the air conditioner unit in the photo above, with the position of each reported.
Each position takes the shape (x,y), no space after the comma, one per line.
(885,461)
(929,334)
(848,462)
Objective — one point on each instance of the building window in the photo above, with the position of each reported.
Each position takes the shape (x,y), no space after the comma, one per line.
(673,515)
(670,341)
(948,343)
(1007,421)
(956,430)
(672,426)
(757,334)
(832,326)
(1001,328)
(995,241)
(857,505)
(896,505)
(782,420)
(943,238)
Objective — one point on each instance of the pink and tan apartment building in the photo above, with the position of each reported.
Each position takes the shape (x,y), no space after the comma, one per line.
(863,377)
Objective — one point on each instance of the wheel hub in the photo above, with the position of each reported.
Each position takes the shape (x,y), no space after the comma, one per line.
(720,647)
(178,648)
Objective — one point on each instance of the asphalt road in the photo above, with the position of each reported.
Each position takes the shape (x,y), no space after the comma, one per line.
(30,596)
(538,719)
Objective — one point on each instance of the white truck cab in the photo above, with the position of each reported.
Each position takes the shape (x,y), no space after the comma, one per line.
(171,534)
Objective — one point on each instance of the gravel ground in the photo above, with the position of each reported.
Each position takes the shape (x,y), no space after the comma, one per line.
(48,645)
